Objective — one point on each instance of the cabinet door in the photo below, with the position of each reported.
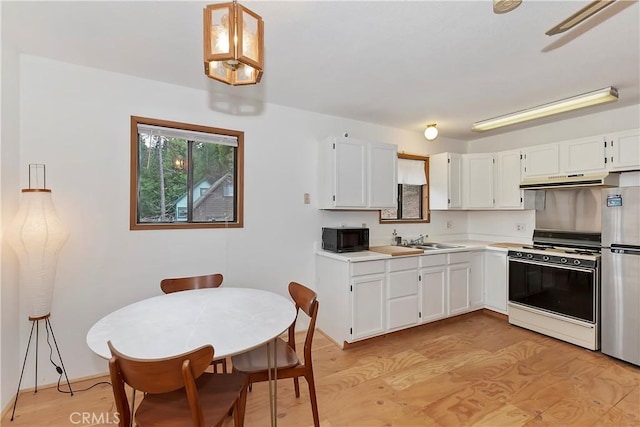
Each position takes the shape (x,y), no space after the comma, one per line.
(495,281)
(541,160)
(583,155)
(350,173)
(509,195)
(478,172)
(459,277)
(625,150)
(433,293)
(383,175)
(455,180)
(367,310)
(476,280)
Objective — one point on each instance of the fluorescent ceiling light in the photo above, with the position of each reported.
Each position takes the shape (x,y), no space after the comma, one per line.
(600,96)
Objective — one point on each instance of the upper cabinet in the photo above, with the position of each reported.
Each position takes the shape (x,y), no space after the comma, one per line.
(445,181)
(478,172)
(541,160)
(586,155)
(355,174)
(508,192)
(624,150)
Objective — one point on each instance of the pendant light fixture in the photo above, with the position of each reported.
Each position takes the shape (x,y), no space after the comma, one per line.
(600,96)
(431,132)
(233,44)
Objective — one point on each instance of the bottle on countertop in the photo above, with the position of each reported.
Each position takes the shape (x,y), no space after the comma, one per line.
(397,240)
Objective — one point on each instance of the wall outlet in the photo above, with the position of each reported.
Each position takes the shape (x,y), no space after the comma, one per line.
(521,227)
(307,198)
(449,224)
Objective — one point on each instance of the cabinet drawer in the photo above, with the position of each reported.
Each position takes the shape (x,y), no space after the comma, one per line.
(367,267)
(432,260)
(457,257)
(403,263)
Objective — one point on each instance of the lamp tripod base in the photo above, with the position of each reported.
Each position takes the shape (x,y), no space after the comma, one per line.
(35,323)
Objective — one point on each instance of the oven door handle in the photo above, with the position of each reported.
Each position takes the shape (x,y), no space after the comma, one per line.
(553,265)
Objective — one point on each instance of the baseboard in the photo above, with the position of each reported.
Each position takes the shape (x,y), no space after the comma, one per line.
(9,406)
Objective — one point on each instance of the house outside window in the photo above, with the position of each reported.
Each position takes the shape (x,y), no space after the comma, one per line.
(181,175)
(413,191)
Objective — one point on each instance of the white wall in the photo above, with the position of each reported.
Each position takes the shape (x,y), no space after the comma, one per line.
(9,191)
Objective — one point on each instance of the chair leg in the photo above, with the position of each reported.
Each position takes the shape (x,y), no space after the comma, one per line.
(296,386)
(314,400)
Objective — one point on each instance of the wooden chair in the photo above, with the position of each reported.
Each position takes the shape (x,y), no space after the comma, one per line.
(254,362)
(187,283)
(177,390)
(179,284)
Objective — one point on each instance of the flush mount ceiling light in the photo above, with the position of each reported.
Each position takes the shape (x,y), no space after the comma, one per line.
(431,132)
(233,44)
(601,96)
(504,6)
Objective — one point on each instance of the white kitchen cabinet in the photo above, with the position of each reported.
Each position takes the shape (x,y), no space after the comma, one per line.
(433,287)
(445,181)
(476,280)
(495,280)
(383,175)
(459,275)
(402,293)
(367,311)
(585,155)
(624,150)
(355,174)
(541,160)
(478,180)
(508,170)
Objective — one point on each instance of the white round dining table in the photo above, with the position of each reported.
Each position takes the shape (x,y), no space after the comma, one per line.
(232,320)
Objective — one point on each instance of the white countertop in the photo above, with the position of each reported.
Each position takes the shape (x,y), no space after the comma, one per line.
(466,245)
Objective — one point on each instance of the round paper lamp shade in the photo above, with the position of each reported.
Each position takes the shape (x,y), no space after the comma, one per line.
(37,235)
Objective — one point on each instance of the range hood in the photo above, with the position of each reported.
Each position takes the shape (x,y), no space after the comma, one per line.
(601,179)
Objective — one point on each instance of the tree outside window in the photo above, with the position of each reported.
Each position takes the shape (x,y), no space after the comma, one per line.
(181,175)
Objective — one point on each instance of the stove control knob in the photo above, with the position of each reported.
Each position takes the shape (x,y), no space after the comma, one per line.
(519,254)
(576,261)
(529,256)
(563,260)
(545,258)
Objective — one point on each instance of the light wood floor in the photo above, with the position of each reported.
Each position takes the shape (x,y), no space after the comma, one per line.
(474,370)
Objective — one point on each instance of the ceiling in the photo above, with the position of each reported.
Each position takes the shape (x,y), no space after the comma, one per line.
(403,64)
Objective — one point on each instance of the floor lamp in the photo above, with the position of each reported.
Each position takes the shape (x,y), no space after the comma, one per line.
(37,235)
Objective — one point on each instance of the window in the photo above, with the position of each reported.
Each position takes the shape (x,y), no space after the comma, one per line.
(413,191)
(185,176)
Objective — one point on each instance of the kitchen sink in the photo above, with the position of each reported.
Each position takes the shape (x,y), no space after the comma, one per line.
(429,246)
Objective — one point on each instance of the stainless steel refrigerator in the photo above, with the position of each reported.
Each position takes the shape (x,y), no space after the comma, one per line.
(620,283)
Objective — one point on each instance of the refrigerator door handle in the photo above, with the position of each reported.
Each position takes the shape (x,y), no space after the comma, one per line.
(625,249)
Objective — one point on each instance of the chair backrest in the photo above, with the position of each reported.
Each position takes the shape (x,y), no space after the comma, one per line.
(306,300)
(158,376)
(187,283)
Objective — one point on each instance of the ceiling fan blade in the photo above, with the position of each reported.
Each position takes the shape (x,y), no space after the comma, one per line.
(579,16)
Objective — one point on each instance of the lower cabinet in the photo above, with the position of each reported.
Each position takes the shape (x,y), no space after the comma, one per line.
(433,289)
(495,280)
(367,295)
(368,298)
(402,293)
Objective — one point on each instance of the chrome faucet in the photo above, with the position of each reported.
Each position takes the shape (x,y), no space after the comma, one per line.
(419,240)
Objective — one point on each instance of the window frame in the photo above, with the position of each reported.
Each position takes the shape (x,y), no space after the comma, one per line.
(134,178)
(426,211)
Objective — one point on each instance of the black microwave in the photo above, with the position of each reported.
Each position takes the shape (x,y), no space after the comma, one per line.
(345,239)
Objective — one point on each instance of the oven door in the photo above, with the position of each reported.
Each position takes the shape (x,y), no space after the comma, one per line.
(565,290)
